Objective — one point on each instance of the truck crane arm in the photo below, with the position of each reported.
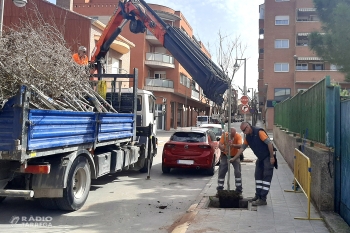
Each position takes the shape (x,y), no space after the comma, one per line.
(202,69)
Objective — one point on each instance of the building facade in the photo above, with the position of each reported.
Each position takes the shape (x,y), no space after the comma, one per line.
(177,94)
(286,64)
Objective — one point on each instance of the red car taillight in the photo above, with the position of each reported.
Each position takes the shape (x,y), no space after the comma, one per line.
(205,146)
(169,145)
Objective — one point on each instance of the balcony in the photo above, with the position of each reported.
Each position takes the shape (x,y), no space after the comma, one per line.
(195,95)
(152,39)
(159,60)
(165,85)
(313,76)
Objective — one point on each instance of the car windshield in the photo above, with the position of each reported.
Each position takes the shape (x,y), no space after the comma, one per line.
(188,137)
(217,131)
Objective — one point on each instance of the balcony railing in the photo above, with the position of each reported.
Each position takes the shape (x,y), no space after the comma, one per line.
(159,57)
(159,83)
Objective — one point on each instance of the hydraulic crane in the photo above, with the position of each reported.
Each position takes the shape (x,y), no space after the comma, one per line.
(201,68)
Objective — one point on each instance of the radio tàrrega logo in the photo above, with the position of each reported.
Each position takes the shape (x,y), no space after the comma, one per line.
(14,219)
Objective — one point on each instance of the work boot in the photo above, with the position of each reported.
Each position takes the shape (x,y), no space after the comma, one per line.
(259,202)
(254,198)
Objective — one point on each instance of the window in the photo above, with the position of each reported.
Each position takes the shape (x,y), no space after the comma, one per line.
(281,44)
(282,0)
(302,67)
(281,67)
(282,20)
(335,67)
(317,67)
(302,39)
(151,104)
(261,50)
(159,74)
(282,94)
(139,103)
(188,137)
(185,81)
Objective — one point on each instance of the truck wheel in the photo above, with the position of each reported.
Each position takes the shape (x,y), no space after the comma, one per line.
(48,203)
(78,186)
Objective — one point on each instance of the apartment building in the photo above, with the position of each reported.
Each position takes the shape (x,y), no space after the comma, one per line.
(176,92)
(286,64)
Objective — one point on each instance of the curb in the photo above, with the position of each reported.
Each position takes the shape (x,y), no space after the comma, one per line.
(334,222)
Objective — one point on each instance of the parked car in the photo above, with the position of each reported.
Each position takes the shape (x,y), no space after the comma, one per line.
(196,148)
(216,128)
(238,118)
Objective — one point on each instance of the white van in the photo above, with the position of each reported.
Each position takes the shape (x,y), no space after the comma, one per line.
(202,120)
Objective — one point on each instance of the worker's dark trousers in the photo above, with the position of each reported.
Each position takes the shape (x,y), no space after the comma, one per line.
(263,177)
(223,170)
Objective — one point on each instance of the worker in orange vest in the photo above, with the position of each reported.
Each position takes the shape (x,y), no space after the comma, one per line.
(81,57)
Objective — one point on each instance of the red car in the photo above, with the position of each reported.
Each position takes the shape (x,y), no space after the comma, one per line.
(195,148)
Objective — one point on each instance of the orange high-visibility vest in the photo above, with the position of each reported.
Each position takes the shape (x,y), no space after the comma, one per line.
(83,61)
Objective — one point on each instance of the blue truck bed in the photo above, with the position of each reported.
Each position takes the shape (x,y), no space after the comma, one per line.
(25,133)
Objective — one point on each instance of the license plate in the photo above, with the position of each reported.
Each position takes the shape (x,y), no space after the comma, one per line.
(187,162)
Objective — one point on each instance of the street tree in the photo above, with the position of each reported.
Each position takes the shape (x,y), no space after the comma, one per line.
(228,49)
(332,44)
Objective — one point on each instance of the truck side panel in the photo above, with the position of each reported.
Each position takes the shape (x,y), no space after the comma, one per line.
(10,124)
(115,126)
(50,128)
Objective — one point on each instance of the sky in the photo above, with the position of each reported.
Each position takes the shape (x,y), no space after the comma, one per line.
(234,18)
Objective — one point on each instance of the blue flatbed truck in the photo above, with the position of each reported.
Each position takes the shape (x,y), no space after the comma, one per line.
(53,155)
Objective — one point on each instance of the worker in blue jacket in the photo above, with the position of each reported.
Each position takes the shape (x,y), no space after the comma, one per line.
(262,147)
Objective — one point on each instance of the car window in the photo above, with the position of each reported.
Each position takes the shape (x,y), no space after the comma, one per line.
(188,137)
(217,131)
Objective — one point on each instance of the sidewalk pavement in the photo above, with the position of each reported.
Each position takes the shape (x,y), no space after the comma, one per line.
(277,216)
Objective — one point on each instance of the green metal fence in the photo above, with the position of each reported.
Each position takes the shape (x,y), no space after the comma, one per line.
(305,111)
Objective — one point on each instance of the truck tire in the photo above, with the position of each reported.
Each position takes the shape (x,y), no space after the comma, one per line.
(48,203)
(78,186)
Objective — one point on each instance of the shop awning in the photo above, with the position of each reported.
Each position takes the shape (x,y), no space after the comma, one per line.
(309,59)
(303,33)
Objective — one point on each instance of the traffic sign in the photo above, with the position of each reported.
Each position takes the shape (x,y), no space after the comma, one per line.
(244,100)
(245,108)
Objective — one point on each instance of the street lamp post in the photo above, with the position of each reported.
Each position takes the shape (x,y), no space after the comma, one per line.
(18,3)
(245,72)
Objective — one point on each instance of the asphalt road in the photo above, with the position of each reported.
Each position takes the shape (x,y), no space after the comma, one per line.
(122,202)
